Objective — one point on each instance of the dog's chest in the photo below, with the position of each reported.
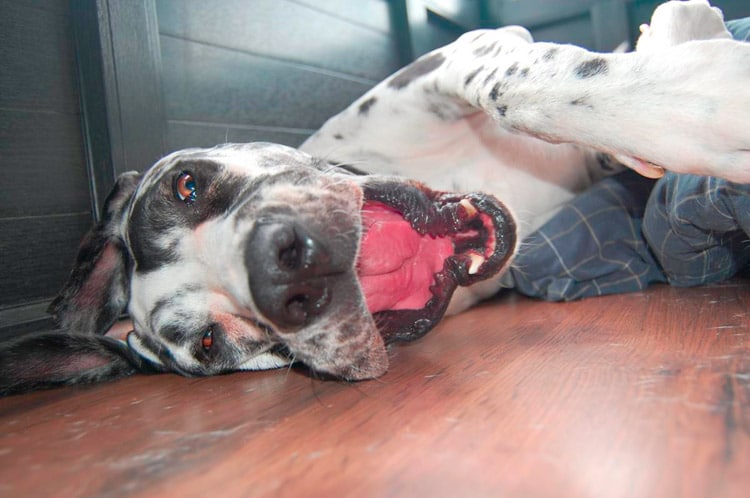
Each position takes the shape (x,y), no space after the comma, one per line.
(533,178)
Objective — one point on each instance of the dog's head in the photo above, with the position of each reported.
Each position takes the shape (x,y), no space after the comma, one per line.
(252,256)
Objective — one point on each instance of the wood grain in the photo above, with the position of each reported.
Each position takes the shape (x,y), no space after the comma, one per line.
(645,394)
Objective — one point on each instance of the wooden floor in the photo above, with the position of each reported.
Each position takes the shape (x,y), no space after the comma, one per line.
(636,395)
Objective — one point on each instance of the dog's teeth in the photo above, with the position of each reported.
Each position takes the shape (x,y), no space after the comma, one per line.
(469,208)
(476,261)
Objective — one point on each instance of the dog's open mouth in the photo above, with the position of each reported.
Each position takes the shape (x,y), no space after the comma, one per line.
(418,245)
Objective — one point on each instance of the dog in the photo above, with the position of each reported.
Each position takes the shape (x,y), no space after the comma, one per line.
(254,256)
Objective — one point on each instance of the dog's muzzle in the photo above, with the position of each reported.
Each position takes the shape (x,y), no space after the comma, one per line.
(294,271)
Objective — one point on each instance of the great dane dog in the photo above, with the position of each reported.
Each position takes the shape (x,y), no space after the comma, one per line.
(253,256)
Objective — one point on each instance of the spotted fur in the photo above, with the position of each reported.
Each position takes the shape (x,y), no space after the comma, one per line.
(530,123)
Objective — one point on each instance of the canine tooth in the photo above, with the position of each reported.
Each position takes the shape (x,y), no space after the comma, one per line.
(476,261)
(469,208)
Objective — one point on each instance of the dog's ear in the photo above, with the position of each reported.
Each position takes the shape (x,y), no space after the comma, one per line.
(97,290)
(50,359)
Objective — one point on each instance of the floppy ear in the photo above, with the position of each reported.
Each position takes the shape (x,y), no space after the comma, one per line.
(97,290)
(49,359)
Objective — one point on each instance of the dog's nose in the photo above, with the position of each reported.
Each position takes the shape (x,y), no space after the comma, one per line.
(290,271)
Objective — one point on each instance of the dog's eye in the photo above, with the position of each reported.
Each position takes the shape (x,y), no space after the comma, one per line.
(207,340)
(184,187)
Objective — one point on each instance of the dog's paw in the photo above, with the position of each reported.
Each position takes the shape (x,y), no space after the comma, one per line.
(678,21)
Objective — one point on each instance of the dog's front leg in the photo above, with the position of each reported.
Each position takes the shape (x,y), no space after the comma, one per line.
(684,108)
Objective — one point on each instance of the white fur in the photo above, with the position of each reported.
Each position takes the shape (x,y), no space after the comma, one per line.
(679,104)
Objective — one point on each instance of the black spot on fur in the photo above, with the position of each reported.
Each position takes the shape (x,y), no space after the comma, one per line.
(524,72)
(501,110)
(338,136)
(417,69)
(591,68)
(471,76)
(481,51)
(581,102)
(365,106)
(442,112)
(512,69)
(490,76)
(550,54)
(495,92)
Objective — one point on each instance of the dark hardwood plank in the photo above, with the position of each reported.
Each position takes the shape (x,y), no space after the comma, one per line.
(646,394)
(283,30)
(212,84)
(37,255)
(44,171)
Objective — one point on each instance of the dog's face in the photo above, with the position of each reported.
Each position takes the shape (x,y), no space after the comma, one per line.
(244,257)
(254,256)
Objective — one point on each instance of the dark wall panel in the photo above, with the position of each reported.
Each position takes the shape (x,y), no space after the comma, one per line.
(45,203)
(204,83)
(37,59)
(576,30)
(43,168)
(181,135)
(288,30)
(369,13)
(267,70)
(37,255)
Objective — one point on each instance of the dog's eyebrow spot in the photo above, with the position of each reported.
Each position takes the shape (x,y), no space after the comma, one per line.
(365,106)
(591,68)
(417,69)
(175,334)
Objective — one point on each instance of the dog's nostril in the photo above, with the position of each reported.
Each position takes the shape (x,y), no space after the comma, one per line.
(291,273)
(295,308)
(305,305)
(301,254)
(289,258)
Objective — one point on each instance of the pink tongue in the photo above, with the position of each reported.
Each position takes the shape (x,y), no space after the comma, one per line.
(396,265)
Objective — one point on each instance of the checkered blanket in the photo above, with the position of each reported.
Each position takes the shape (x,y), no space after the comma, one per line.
(627,232)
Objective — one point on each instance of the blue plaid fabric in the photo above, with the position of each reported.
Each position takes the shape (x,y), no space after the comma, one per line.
(627,232)
(593,246)
(698,228)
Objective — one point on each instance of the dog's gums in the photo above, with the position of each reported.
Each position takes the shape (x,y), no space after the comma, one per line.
(419,245)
